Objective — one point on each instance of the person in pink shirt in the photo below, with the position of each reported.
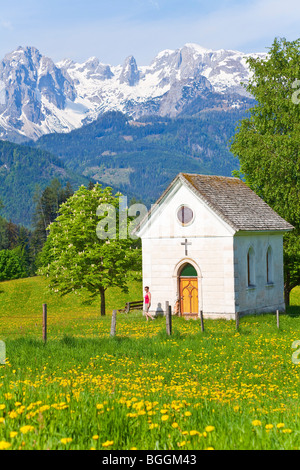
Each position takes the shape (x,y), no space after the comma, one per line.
(147,303)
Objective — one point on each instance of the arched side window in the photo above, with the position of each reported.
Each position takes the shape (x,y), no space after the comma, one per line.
(269,265)
(251,267)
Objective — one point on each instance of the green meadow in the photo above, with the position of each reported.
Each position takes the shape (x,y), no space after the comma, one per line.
(142,389)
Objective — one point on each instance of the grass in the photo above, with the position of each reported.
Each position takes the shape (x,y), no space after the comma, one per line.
(221,389)
(21,308)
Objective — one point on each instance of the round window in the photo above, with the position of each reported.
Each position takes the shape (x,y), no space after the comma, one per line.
(185,215)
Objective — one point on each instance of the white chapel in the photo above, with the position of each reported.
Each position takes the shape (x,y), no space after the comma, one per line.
(211,244)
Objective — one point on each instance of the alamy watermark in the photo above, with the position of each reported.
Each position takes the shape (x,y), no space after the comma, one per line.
(127,219)
(123,222)
(296,354)
(2,352)
(296,94)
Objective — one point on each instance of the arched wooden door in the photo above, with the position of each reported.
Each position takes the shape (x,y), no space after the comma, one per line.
(188,288)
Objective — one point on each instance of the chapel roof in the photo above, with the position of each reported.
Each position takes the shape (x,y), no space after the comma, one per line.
(234,202)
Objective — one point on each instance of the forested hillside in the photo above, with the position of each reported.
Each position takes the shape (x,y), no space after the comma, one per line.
(142,157)
(25,171)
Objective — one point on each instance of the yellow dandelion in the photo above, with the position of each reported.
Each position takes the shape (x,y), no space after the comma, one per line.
(210,448)
(280,425)
(256,422)
(12,414)
(107,443)
(66,440)
(194,433)
(209,428)
(4,445)
(187,413)
(44,408)
(174,425)
(20,410)
(181,444)
(2,406)
(13,434)
(153,425)
(286,430)
(269,426)
(95,437)
(26,429)
(2,420)
(165,417)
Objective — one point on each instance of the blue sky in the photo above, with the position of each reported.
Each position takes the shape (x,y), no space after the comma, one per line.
(113,29)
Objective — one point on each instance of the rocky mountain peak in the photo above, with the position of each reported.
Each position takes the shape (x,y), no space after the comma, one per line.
(130,73)
(32,80)
(38,96)
(27,53)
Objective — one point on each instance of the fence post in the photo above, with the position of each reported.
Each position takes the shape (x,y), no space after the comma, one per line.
(169,320)
(237,320)
(201,319)
(167,317)
(167,308)
(277,318)
(113,323)
(44,323)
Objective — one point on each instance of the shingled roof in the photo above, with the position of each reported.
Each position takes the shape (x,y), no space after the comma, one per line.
(234,202)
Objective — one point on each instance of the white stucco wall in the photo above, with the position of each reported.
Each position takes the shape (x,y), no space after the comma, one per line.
(213,260)
(262,297)
(211,253)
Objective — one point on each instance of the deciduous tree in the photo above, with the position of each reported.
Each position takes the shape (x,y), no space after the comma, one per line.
(267,143)
(74,256)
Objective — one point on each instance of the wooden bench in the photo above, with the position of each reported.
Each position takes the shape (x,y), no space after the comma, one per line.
(138,305)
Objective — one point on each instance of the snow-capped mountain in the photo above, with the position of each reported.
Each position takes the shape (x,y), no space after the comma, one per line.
(38,96)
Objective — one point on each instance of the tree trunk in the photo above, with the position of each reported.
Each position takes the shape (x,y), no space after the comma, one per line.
(287,297)
(102,301)
(287,289)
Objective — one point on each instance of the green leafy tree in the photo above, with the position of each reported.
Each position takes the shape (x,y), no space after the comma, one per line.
(76,259)
(12,264)
(267,143)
